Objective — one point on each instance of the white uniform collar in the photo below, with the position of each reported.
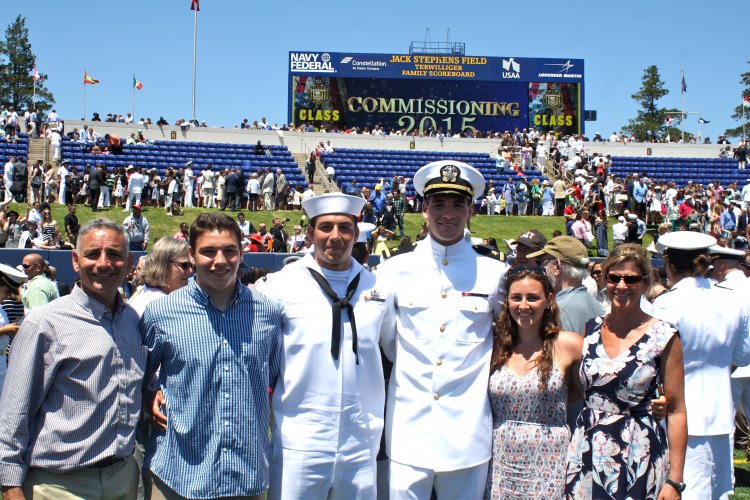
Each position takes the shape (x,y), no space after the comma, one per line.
(736,276)
(692,282)
(308,260)
(439,250)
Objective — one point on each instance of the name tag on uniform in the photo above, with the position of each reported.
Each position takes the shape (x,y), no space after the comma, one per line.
(474,294)
(374,295)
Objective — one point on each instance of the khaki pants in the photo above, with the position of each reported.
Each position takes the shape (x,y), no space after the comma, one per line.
(161,491)
(117,482)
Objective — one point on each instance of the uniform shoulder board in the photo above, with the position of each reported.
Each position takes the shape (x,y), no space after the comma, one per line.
(489,251)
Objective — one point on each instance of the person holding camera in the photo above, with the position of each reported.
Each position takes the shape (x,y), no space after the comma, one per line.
(280,236)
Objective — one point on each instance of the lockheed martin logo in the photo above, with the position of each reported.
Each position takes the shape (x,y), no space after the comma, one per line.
(565,70)
(564,67)
(511,69)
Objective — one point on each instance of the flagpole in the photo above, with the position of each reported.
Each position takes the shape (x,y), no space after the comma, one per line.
(195,53)
(133,101)
(682,115)
(743,118)
(84,93)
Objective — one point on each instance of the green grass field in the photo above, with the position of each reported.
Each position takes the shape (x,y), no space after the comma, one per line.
(482,226)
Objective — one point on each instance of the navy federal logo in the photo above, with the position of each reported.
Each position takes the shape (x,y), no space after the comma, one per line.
(450,173)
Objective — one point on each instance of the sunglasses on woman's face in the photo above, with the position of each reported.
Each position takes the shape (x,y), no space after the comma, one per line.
(629,280)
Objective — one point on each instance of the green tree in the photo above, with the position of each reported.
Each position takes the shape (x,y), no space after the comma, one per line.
(649,122)
(741,115)
(17,68)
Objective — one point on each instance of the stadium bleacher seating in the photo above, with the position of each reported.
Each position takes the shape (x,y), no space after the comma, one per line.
(681,170)
(8,149)
(367,166)
(161,155)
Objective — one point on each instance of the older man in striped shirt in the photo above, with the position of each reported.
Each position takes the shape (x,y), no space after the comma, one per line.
(219,348)
(73,394)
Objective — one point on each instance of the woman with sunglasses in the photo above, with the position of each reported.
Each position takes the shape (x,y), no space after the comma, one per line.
(618,449)
(167,269)
(48,226)
(713,331)
(533,365)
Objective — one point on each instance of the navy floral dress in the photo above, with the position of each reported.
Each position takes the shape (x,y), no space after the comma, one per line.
(618,449)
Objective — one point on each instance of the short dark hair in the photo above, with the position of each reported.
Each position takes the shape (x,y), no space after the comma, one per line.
(213,221)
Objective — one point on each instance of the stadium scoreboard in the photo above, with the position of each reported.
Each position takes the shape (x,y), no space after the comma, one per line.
(425,92)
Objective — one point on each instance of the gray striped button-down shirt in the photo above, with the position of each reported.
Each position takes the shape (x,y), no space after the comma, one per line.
(72,396)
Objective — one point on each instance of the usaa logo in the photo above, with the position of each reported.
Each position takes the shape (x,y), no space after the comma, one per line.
(511,69)
(311,62)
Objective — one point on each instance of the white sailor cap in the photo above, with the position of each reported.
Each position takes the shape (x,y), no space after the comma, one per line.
(449,176)
(333,203)
(11,276)
(365,229)
(690,241)
(726,253)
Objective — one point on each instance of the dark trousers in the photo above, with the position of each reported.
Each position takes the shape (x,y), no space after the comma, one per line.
(227,198)
(559,206)
(94,201)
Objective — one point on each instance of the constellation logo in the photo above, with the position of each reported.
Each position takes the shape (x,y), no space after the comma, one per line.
(310,62)
(346,60)
(563,71)
(511,69)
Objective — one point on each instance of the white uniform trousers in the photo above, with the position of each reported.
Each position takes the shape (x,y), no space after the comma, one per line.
(416,483)
(133,199)
(708,468)
(314,475)
(189,195)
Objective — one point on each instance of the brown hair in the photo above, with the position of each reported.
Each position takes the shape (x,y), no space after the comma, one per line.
(213,221)
(629,252)
(506,330)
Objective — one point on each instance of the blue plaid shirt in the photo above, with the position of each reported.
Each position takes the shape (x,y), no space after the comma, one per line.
(216,368)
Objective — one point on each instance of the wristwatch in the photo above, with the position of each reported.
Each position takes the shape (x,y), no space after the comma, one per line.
(679,487)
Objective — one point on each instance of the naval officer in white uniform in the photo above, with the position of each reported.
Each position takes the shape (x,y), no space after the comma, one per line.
(447,294)
(728,273)
(713,328)
(328,403)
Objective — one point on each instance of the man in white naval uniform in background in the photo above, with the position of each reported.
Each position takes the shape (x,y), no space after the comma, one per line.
(728,273)
(713,327)
(438,418)
(328,403)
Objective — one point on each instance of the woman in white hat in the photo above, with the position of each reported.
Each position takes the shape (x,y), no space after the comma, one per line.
(713,330)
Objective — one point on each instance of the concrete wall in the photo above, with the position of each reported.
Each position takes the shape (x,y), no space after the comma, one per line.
(300,142)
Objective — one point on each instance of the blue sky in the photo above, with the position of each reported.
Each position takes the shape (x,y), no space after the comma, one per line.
(243,50)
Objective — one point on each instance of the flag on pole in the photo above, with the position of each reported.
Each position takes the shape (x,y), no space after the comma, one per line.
(195,5)
(746,101)
(701,120)
(684,85)
(137,84)
(36,76)
(668,120)
(88,79)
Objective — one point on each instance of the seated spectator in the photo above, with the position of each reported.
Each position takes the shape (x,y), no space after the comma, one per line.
(31,237)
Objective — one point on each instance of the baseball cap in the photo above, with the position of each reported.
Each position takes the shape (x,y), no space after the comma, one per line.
(532,239)
(567,249)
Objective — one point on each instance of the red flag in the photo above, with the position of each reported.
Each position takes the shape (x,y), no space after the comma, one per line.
(88,79)
(137,84)
(746,101)
(195,5)
(36,76)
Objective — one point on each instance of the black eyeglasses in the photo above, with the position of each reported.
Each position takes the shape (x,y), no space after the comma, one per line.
(596,273)
(185,266)
(629,280)
(26,266)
